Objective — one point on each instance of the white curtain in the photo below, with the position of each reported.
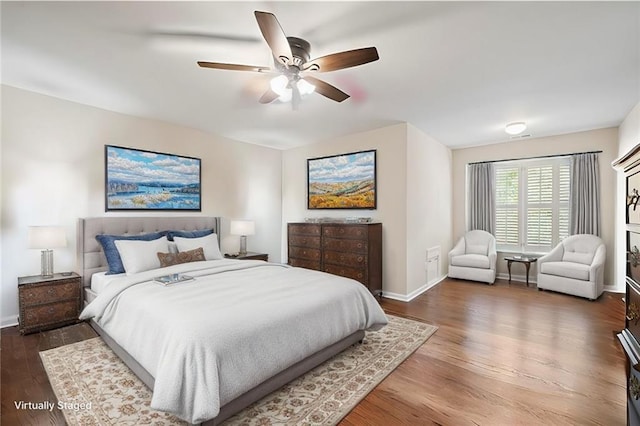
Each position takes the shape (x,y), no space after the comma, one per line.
(585,194)
(482,203)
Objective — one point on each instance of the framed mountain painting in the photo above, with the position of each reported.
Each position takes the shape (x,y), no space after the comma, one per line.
(344,181)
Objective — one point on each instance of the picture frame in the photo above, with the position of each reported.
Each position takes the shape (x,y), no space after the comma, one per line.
(137,179)
(342,181)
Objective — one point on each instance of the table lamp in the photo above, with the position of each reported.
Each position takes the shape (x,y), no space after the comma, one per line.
(243,228)
(47,238)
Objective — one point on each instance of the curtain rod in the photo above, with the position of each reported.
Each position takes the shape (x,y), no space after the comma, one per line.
(535,158)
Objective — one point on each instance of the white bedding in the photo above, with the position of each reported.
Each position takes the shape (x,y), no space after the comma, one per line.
(238,323)
(100,280)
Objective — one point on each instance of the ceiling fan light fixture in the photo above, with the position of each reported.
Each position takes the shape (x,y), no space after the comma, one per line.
(305,87)
(279,85)
(515,128)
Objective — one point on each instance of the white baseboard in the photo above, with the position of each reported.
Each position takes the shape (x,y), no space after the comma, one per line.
(519,278)
(409,297)
(9,321)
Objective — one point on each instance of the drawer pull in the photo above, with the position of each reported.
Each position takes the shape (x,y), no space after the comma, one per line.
(633,313)
(51,292)
(634,256)
(634,387)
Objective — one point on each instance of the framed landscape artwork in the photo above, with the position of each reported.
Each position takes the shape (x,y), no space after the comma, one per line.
(345,181)
(145,180)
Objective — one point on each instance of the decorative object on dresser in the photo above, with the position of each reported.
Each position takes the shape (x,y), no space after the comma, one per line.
(146,180)
(629,337)
(47,238)
(349,250)
(250,255)
(48,302)
(243,228)
(345,181)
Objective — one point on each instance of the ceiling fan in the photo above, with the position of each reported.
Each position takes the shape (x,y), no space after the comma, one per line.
(294,66)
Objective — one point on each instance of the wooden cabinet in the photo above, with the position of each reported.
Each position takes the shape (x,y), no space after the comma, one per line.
(47,303)
(345,249)
(629,337)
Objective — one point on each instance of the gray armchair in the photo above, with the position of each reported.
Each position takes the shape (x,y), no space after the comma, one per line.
(474,257)
(575,266)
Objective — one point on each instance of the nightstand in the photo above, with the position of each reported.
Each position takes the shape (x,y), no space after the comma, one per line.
(48,302)
(250,255)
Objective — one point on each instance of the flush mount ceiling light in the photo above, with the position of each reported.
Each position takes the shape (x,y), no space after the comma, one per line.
(515,128)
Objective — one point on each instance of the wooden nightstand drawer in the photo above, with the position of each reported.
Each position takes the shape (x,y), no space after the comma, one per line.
(48,302)
(43,316)
(39,294)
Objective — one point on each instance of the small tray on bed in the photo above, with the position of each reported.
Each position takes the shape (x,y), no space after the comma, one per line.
(172,279)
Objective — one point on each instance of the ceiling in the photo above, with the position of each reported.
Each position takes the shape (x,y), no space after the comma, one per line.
(459,71)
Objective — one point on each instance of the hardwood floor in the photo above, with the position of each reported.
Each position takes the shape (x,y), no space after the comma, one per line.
(503,355)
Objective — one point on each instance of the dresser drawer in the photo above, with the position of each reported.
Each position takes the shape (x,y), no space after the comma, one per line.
(345,231)
(304,241)
(304,229)
(358,274)
(37,295)
(304,253)
(305,263)
(342,244)
(632,320)
(52,313)
(345,258)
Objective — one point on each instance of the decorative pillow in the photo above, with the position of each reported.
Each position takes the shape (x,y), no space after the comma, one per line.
(168,259)
(208,243)
(111,251)
(139,256)
(188,234)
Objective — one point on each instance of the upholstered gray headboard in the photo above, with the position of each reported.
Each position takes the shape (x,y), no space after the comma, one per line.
(90,257)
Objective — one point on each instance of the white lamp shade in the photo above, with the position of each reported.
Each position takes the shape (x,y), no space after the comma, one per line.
(47,237)
(243,227)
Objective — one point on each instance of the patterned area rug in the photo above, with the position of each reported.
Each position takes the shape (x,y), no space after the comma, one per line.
(95,388)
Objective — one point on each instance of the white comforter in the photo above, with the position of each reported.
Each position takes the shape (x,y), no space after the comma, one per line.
(238,323)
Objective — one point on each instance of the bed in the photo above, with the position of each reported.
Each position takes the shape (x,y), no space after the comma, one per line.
(239,330)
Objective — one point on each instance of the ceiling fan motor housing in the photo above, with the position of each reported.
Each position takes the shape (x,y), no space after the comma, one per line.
(300,49)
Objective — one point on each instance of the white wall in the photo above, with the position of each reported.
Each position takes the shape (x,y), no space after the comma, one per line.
(413,204)
(594,140)
(429,197)
(53,173)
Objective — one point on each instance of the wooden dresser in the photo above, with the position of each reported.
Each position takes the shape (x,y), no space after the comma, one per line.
(629,337)
(345,249)
(48,302)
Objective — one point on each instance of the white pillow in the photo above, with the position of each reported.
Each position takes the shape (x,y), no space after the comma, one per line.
(209,244)
(139,256)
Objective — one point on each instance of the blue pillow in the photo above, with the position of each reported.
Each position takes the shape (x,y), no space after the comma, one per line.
(111,251)
(188,234)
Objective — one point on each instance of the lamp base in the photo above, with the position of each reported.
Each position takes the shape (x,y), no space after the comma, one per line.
(46,263)
(243,245)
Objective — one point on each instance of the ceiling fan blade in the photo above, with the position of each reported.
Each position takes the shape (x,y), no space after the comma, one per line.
(341,60)
(274,36)
(233,67)
(326,89)
(268,97)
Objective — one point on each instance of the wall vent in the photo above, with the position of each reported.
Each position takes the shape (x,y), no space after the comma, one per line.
(432,265)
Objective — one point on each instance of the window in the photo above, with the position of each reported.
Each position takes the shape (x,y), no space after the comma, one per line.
(532,203)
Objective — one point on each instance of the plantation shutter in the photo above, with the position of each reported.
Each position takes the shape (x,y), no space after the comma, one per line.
(539,210)
(564,201)
(532,204)
(507,229)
